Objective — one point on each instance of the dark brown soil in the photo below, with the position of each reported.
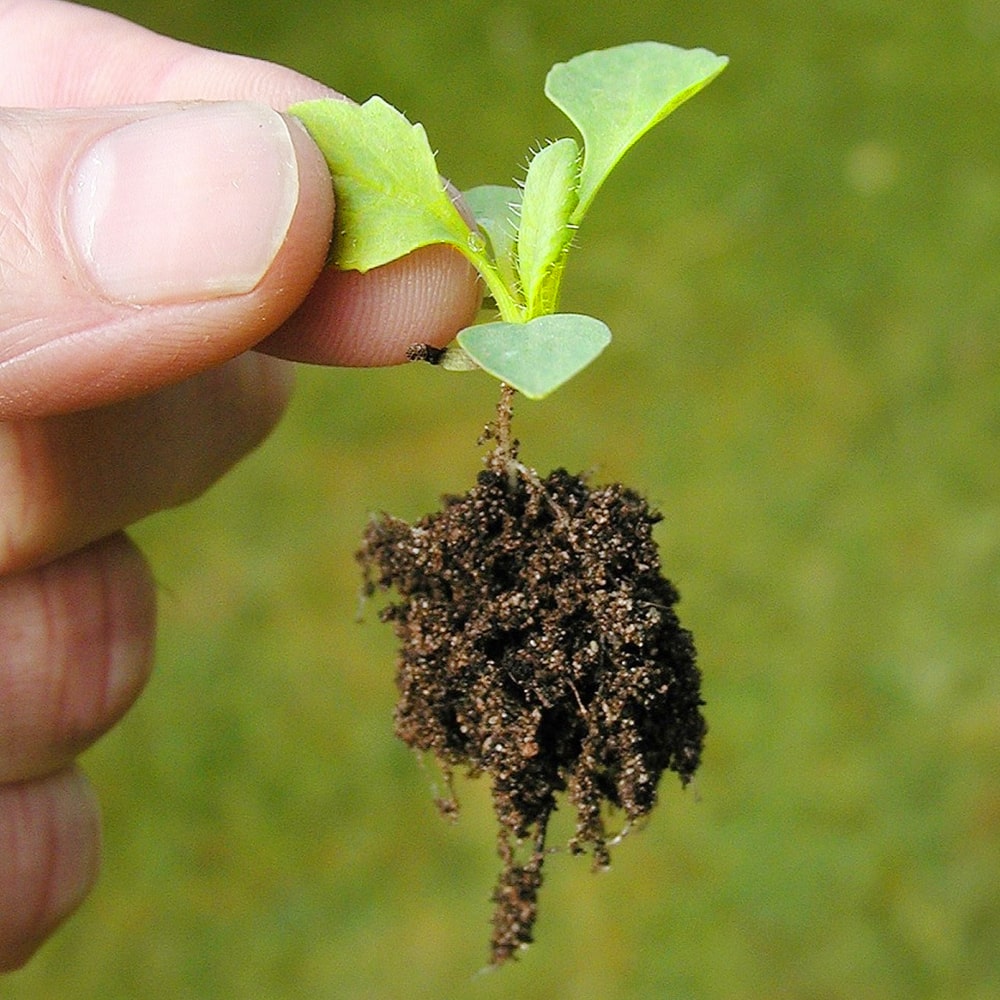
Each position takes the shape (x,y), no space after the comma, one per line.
(539,645)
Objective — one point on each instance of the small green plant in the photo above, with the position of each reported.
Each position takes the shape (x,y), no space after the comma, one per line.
(538,638)
(390,200)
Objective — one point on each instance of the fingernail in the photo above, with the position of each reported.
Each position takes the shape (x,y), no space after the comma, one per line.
(184,206)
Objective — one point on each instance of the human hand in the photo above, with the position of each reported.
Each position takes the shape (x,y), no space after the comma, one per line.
(146,245)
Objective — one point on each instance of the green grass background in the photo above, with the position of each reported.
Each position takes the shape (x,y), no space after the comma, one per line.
(802,271)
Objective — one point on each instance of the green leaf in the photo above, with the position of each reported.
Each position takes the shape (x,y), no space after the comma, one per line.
(538,356)
(390,198)
(547,205)
(614,96)
(496,210)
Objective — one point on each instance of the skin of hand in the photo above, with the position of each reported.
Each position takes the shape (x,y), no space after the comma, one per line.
(163,233)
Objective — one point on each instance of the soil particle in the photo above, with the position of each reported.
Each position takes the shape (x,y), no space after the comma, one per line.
(539,645)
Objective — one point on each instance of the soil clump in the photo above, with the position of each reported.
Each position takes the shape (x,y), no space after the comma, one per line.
(539,645)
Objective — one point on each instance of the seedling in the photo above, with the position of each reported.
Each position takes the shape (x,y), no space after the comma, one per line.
(390,200)
(539,642)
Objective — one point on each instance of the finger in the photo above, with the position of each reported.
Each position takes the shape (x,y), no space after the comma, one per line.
(349,318)
(144,244)
(372,318)
(69,480)
(50,849)
(76,647)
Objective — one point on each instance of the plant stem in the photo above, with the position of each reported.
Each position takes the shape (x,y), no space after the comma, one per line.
(503,458)
(506,445)
(509,306)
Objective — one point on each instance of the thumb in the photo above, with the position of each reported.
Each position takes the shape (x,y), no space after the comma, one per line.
(141,245)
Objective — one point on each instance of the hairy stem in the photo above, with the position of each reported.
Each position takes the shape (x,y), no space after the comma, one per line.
(506,445)
(511,309)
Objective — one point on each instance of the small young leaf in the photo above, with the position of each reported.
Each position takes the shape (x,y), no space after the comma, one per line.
(614,96)
(538,356)
(496,210)
(544,234)
(390,199)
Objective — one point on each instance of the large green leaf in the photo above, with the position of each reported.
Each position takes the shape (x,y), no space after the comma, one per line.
(538,356)
(390,198)
(614,96)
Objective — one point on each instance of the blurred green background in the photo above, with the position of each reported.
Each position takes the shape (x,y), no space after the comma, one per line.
(802,271)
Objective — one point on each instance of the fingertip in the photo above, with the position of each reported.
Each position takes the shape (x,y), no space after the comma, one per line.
(303,256)
(370,319)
